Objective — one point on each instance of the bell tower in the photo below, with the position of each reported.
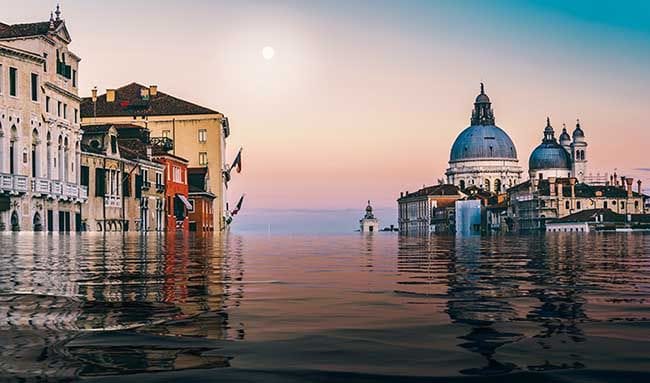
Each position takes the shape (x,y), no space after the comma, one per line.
(579,153)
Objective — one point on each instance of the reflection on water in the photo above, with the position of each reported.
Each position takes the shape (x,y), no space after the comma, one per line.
(378,306)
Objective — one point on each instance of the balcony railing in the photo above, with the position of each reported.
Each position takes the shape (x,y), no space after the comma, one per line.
(13,183)
(160,188)
(146,185)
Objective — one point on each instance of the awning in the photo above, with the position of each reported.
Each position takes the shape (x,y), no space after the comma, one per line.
(183,199)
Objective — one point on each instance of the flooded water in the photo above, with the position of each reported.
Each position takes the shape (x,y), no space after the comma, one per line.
(348,308)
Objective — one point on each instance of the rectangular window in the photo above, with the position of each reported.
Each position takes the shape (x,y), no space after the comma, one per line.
(203,135)
(126,186)
(203,158)
(85,175)
(74,78)
(177,175)
(191,201)
(45,62)
(100,182)
(47,104)
(166,133)
(59,104)
(76,115)
(13,81)
(65,111)
(138,186)
(34,87)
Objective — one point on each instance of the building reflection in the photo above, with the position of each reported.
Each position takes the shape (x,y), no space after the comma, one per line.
(65,302)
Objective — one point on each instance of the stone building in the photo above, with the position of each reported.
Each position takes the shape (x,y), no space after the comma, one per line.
(483,154)
(136,145)
(369,223)
(599,220)
(534,202)
(198,133)
(112,203)
(39,128)
(429,209)
(568,158)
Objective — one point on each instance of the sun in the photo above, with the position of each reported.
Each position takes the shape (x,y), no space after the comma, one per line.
(268,53)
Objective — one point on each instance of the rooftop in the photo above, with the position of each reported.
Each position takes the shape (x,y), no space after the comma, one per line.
(129,101)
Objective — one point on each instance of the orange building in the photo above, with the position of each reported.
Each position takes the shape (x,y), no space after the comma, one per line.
(177,205)
(201,214)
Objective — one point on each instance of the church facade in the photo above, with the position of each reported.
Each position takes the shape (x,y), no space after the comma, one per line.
(483,155)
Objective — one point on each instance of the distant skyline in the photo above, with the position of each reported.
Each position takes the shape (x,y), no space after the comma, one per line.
(361,100)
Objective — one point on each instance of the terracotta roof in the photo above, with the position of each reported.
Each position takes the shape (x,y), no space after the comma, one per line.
(437,190)
(132,148)
(26,30)
(129,102)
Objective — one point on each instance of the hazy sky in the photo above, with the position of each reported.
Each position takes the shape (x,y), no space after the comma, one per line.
(364,99)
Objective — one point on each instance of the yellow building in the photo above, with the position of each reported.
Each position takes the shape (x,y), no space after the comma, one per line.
(198,133)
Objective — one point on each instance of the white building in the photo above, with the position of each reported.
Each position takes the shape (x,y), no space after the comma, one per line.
(39,128)
(483,154)
(369,223)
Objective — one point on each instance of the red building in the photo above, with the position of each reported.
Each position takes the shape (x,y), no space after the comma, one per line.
(177,205)
(201,215)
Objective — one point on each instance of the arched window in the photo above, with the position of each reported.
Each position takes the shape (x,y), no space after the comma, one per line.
(13,151)
(486,184)
(462,184)
(49,155)
(37,225)
(15,222)
(36,169)
(567,205)
(497,185)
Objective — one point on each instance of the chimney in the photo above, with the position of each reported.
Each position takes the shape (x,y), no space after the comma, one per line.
(144,93)
(572,181)
(630,182)
(623,182)
(551,184)
(401,194)
(110,95)
(560,189)
(94,93)
(153,90)
(535,183)
(639,186)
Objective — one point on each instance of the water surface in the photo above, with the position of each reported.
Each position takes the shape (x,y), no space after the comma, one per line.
(561,307)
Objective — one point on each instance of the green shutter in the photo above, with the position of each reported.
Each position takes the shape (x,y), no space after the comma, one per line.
(100,182)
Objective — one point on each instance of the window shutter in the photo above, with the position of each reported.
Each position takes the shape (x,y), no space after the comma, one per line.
(100,182)
(126,186)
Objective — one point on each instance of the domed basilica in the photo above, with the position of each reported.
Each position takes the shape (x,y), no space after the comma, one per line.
(564,159)
(483,154)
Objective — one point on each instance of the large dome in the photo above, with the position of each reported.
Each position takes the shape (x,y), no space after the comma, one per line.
(482,142)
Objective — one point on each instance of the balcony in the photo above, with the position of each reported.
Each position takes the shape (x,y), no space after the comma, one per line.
(160,188)
(13,184)
(56,189)
(146,185)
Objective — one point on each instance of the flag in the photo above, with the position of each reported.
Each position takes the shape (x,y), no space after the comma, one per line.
(237,162)
(238,207)
(226,177)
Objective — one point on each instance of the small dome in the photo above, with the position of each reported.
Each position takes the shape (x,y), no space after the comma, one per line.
(482,98)
(564,137)
(549,155)
(578,133)
(482,141)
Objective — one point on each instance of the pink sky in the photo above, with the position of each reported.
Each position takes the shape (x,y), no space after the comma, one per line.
(361,101)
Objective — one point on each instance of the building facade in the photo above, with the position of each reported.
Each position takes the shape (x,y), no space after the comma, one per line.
(177,204)
(39,128)
(537,201)
(483,155)
(198,133)
(427,210)
(201,215)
